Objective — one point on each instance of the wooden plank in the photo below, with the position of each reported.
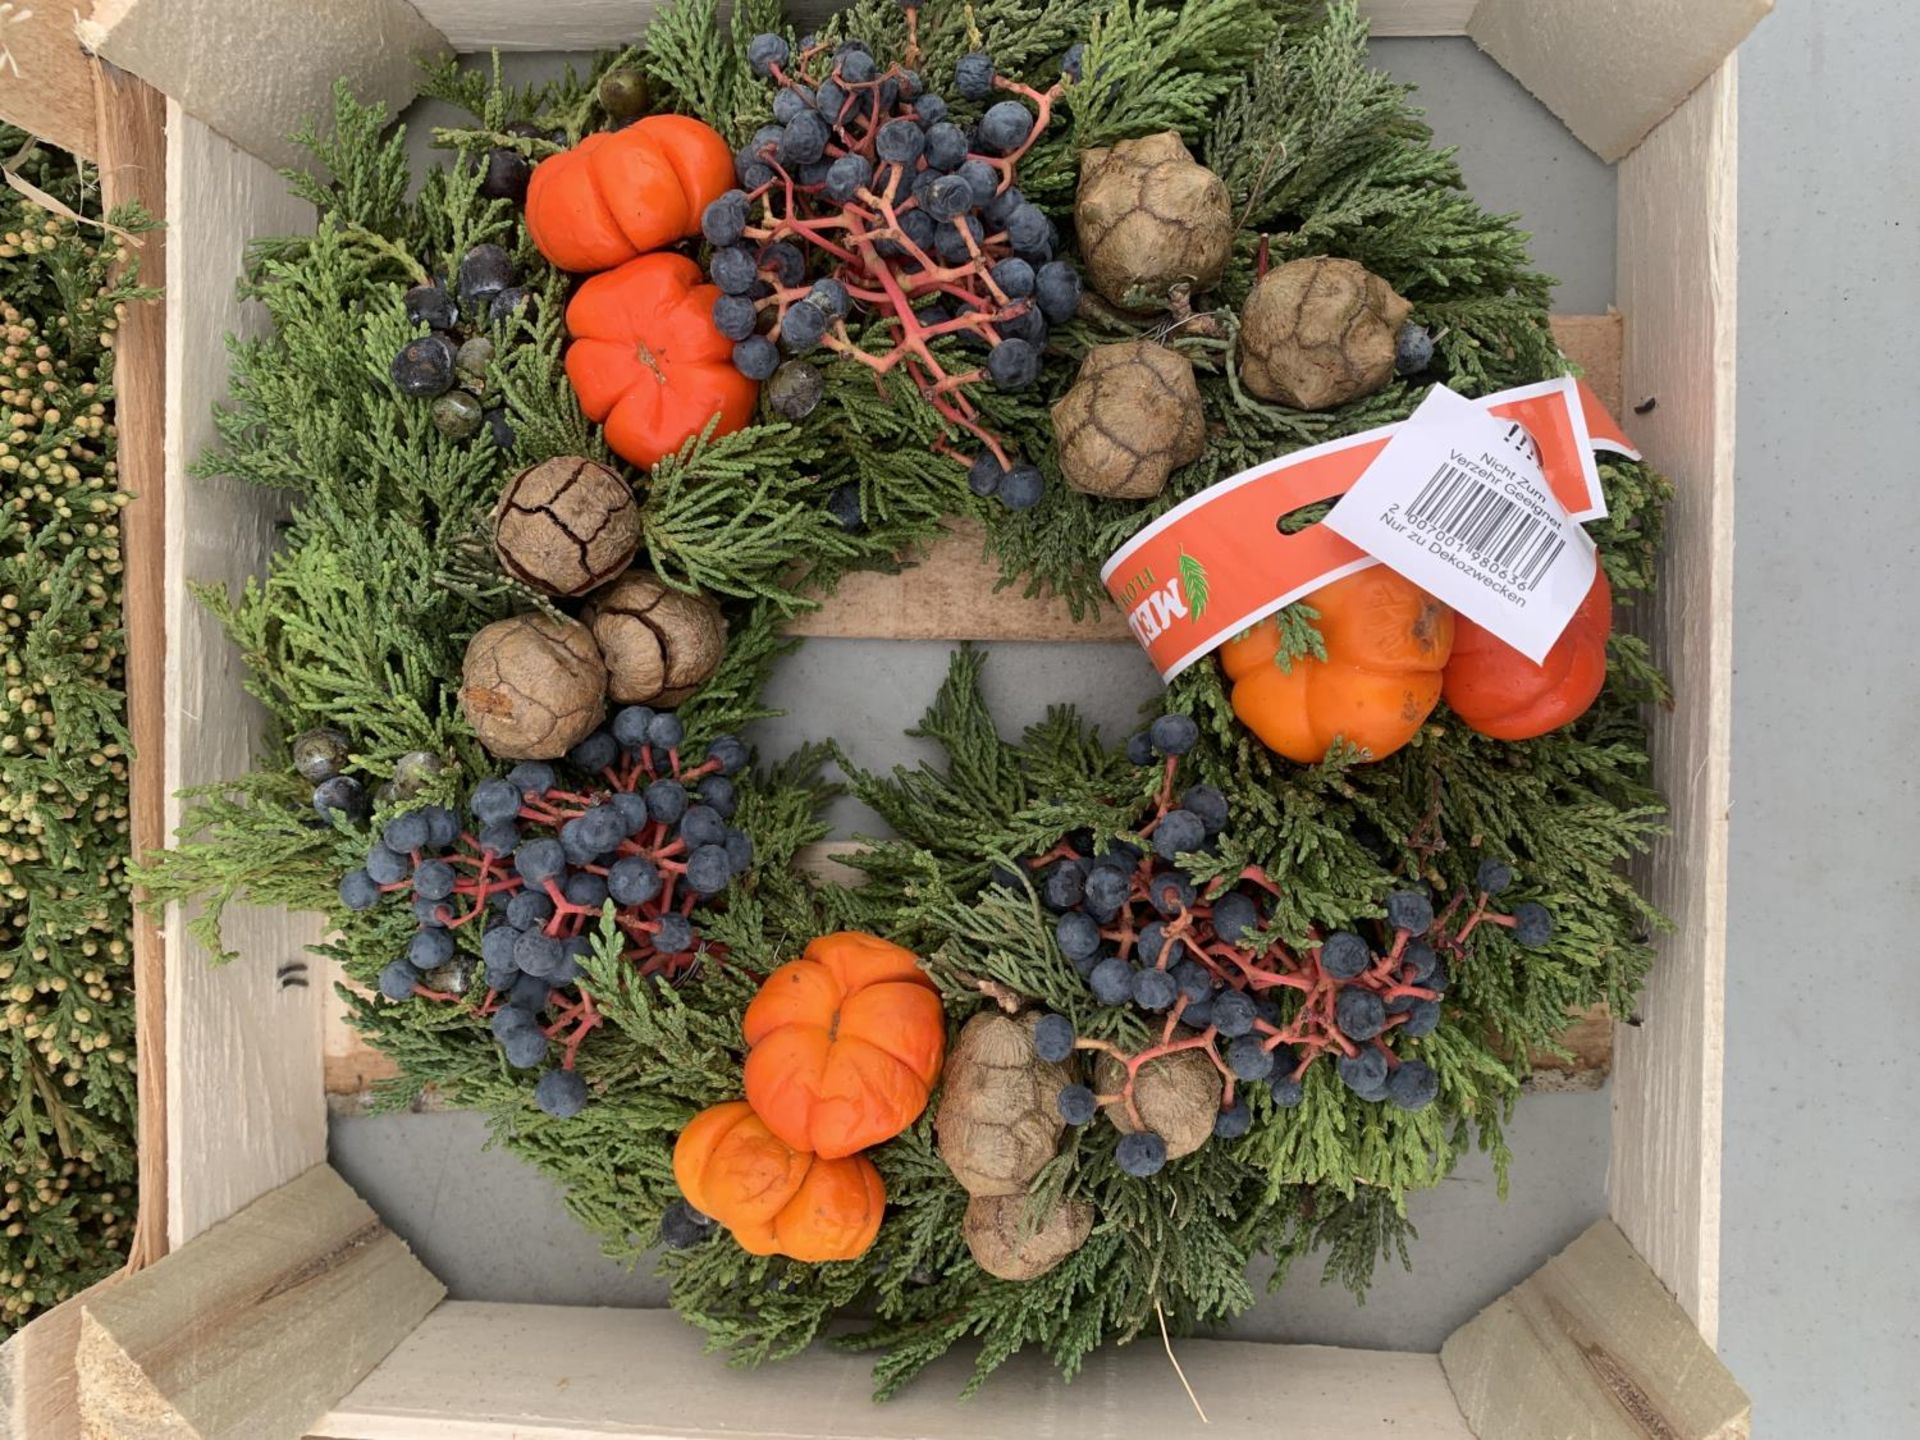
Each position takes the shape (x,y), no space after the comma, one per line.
(1592,1345)
(256,71)
(1391,18)
(1676,287)
(245,1112)
(46,83)
(1612,69)
(949,594)
(578,1373)
(133,167)
(39,1385)
(1589,1040)
(257,1326)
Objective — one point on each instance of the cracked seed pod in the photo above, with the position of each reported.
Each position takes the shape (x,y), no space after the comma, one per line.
(998,1122)
(1132,418)
(1178,1095)
(533,687)
(660,644)
(1320,332)
(993,1232)
(1150,217)
(566,525)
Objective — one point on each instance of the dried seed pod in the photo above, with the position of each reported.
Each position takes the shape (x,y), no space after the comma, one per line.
(1150,217)
(993,1227)
(1132,418)
(1320,332)
(998,1122)
(1178,1095)
(660,644)
(533,687)
(566,525)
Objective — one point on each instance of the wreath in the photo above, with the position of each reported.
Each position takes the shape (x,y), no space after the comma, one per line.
(1101,1023)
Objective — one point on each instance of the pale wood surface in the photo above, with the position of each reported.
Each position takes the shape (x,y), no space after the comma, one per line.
(1676,287)
(245,1110)
(1591,1345)
(46,82)
(1612,69)
(255,70)
(39,1386)
(133,167)
(532,1372)
(257,1326)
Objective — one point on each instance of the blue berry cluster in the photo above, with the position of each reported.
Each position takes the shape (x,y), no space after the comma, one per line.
(449,365)
(533,866)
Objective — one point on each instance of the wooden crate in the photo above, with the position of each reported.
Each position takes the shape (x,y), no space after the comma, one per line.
(284,1306)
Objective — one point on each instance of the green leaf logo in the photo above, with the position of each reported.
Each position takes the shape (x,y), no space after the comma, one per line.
(1193,579)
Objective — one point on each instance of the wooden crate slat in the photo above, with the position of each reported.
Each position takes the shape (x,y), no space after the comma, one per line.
(46,80)
(254,1328)
(1592,1345)
(1612,71)
(535,1372)
(39,1386)
(256,71)
(1676,287)
(244,1111)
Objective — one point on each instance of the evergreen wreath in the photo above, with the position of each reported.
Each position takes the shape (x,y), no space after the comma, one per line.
(355,639)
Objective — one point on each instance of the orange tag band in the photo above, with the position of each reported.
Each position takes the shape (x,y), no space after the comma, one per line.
(1218,562)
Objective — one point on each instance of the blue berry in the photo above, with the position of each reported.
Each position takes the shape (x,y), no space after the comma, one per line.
(804,140)
(765,52)
(424,367)
(856,67)
(597,752)
(431,306)
(1438,980)
(1105,887)
(1006,126)
(1141,1154)
(586,889)
(739,846)
(734,269)
(1077,935)
(443,826)
(701,825)
(1360,1014)
(930,110)
(789,101)
(537,953)
(358,890)
(1419,958)
(1365,1073)
(530,993)
(1287,1092)
(1233,1122)
(1413,350)
(900,142)
(682,1227)
(1015,277)
(1152,941)
(1199,1013)
(397,980)
(434,880)
(1140,748)
(1028,228)
(510,1020)
(494,801)
(1233,1014)
(999,210)
(430,912)
(973,77)
(730,752)
(803,327)
(1493,876)
(630,727)
(1194,979)
(1175,734)
(496,948)
(735,316)
(831,99)
(1171,892)
(1074,60)
(1235,916)
(561,1093)
(717,794)
(1411,911)
(387,867)
(756,357)
(429,949)
(1077,1104)
(529,910)
(1063,886)
(1249,1059)
(1022,487)
(531,778)
(1532,925)
(1209,804)
(983,181)
(1154,990)
(850,174)
(843,503)
(1112,981)
(667,801)
(1053,1038)
(1423,1018)
(1344,955)
(406,833)
(1013,365)
(341,796)
(485,271)
(709,870)
(1179,832)
(540,860)
(831,296)
(1413,1086)
(675,935)
(633,880)
(946,147)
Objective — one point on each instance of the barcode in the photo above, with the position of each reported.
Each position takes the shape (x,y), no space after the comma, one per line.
(1495,529)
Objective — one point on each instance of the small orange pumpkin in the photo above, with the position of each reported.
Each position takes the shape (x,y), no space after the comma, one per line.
(646,361)
(844,1044)
(776,1200)
(1496,690)
(1387,642)
(621,194)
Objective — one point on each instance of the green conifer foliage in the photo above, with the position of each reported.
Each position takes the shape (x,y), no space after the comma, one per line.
(66,1030)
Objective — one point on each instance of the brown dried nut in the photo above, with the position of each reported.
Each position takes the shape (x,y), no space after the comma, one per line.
(993,1226)
(1150,217)
(566,525)
(1320,332)
(533,687)
(660,644)
(1132,418)
(1178,1095)
(998,1122)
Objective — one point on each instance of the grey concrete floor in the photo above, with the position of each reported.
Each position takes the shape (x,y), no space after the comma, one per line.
(433,1181)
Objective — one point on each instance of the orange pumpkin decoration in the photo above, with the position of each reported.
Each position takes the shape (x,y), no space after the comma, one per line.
(1387,641)
(776,1200)
(646,361)
(845,1044)
(1496,690)
(621,194)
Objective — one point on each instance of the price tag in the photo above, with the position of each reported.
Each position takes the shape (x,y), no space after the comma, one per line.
(1457,501)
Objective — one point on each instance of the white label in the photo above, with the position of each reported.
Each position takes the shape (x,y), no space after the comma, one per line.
(1458,504)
